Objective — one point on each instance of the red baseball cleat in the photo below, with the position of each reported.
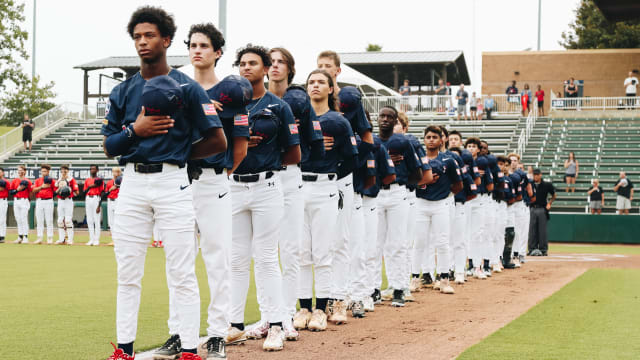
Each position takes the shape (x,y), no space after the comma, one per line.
(118,354)
(189,356)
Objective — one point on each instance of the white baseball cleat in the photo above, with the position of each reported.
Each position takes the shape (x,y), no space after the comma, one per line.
(318,321)
(274,340)
(368,304)
(459,278)
(258,331)
(415,284)
(479,274)
(445,287)
(301,319)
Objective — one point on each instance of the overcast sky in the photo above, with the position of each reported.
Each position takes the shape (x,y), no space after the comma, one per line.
(74,32)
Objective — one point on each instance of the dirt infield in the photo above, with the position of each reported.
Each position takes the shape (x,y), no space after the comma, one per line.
(438,326)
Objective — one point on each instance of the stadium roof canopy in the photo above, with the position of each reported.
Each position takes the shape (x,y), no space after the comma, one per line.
(619,10)
(422,68)
(129,64)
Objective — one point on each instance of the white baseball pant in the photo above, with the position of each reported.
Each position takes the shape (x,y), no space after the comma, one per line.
(452,214)
(21,213)
(412,199)
(490,219)
(502,221)
(257,210)
(318,237)
(393,209)
(521,214)
(44,213)
(65,216)
(432,222)
(111,211)
(4,204)
(458,235)
(477,231)
(93,219)
(340,262)
(370,210)
(358,290)
(163,199)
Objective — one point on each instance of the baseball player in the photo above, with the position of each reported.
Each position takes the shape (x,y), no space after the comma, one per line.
(496,225)
(93,189)
(521,210)
(507,195)
(20,189)
(5,186)
(43,189)
(352,109)
(113,189)
(433,213)
(393,206)
(66,188)
(257,198)
(321,203)
(152,118)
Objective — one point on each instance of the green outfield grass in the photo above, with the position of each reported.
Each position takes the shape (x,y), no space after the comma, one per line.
(59,302)
(594,317)
(595,249)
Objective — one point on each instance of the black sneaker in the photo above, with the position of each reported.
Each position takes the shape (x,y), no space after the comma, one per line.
(398,298)
(171,349)
(377,297)
(215,349)
(509,265)
(1,239)
(427,281)
(357,309)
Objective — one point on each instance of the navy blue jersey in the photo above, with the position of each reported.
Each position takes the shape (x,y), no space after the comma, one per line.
(469,186)
(351,107)
(344,148)
(526,197)
(194,116)
(508,191)
(398,144)
(448,173)
(238,126)
(363,170)
(421,154)
(515,181)
(272,119)
(384,167)
(308,125)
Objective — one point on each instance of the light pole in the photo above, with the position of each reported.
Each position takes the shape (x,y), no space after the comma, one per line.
(539,21)
(33,50)
(222,17)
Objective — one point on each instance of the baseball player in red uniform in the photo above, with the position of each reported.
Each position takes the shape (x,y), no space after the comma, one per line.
(65,188)
(5,186)
(21,188)
(44,187)
(113,189)
(93,188)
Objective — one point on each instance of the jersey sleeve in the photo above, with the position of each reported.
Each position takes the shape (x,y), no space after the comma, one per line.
(74,184)
(453,171)
(288,134)
(240,126)
(371,165)
(200,110)
(114,113)
(361,124)
(422,155)
(385,165)
(348,144)
(411,159)
(313,127)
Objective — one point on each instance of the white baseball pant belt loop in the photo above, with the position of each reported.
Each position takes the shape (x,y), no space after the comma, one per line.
(369,204)
(4,204)
(21,212)
(432,222)
(162,198)
(44,214)
(257,209)
(393,209)
(340,264)
(318,235)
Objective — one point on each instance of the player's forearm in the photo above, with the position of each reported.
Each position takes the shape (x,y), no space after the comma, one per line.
(427,177)
(240,146)
(367,137)
(389,179)
(119,143)
(415,177)
(214,142)
(292,156)
(456,187)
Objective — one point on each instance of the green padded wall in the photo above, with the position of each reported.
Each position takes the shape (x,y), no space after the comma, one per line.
(594,228)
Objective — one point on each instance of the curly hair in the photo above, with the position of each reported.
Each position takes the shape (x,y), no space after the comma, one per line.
(261,51)
(209,30)
(334,103)
(153,15)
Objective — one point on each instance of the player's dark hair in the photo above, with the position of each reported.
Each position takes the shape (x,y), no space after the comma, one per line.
(486,143)
(64,166)
(366,113)
(455,149)
(96,166)
(504,159)
(455,132)
(288,58)
(1,168)
(392,108)
(472,140)
(434,129)
(445,133)
(153,15)
(45,166)
(209,30)
(261,51)
(333,98)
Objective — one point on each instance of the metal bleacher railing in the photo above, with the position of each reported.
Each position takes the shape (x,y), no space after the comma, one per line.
(439,104)
(530,123)
(45,123)
(596,103)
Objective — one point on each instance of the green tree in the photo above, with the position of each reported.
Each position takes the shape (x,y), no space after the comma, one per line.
(591,30)
(374,47)
(31,98)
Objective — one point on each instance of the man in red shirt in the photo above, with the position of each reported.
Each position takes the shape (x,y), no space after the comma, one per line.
(113,188)
(5,186)
(66,187)
(21,188)
(93,188)
(43,189)
(540,96)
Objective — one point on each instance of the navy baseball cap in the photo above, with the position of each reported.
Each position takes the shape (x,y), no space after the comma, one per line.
(234,93)
(482,162)
(467,157)
(24,183)
(161,95)
(118,180)
(436,167)
(298,100)
(350,99)
(515,178)
(47,180)
(493,162)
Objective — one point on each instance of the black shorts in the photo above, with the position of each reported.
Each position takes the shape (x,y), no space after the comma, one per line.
(473,108)
(26,137)
(541,104)
(569,175)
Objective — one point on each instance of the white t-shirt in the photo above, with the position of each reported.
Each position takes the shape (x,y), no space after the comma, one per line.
(631,84)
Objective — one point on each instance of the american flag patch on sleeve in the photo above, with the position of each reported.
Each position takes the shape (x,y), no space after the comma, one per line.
(293,128)
(316,125)
(371,164)
(390,163)
(209,109)
(241,120)
(353,141)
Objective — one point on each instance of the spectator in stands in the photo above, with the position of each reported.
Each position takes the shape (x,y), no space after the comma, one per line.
(540,96)
(405,90)
(539,215)
(479,108)
(27,130)
(624,189)
(473,106)
(631,85)
(489,106)
(525,98)
(511,99)
(571,172)
(441,90)
(571,91)
(596,198)
(462,97)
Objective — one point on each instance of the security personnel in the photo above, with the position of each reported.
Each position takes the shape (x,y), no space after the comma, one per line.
(5,186)
(433,217)
(151,121)
(93,189)
(20,189)
(322,201)
(257,199)
(43,189)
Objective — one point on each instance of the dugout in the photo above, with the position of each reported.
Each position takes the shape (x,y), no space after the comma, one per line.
(422,68)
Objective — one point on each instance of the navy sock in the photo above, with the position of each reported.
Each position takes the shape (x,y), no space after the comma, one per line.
(193,351)
(321,303)
(444,275)
(515,254)
(470,264)
(239,326)
(275,324)
(417,276)
(127,348)
(306,304)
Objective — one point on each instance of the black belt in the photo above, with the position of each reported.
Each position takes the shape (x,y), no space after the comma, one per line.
(315,177)
(45,198)
(539,206)
(251,178)
(147,168)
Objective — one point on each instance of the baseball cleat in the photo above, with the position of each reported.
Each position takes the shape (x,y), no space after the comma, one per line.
(459,278)
(436,285)
(427,281)
(274,340)
(118,354)
(213,348)
(479,274)
(25,240)
(415,284)
(339,315)
(301,319)
(398,298)
(377,297)
(487,272)
(521,259)
(368,304)
(516,262)
(171,349)
(258,331)
(318,321)
(497,268)
(235,336)
(357,310)
(290,333)
(445,287)
(38,241)
(408,296)
(387,294)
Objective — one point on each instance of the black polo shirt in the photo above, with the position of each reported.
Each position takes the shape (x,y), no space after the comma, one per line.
(596,195)
(543,189)
(625,191)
